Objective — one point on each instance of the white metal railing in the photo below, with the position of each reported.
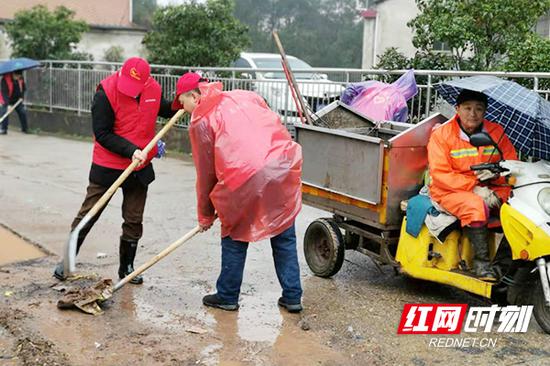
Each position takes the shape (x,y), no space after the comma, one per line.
(70,85)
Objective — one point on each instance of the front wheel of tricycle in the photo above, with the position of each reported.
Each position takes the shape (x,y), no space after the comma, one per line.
(324,247)
(540,309)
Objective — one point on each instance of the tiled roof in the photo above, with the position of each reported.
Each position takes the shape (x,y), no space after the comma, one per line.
(115,13)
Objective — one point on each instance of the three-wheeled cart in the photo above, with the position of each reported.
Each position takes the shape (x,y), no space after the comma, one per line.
(360,170)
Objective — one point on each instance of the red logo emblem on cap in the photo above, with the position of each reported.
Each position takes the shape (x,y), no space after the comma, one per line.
(135,74)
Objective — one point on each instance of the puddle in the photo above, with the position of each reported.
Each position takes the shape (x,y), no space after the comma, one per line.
(15,249)
(209,355)
(260,320)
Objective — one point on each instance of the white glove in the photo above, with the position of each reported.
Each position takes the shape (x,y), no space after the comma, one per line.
(488,196)
(485,174)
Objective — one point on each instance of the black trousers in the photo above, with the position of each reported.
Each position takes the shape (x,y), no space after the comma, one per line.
(133,205)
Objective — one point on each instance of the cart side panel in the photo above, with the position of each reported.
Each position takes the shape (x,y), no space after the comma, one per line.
(419,134)
(408,161)
(341,205)
(405,178)
(342,163)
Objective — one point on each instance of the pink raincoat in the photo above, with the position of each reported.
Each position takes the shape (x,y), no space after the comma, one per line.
(248,167)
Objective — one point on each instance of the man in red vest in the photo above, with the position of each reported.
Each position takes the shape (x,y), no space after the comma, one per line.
(12,89)
(124,114)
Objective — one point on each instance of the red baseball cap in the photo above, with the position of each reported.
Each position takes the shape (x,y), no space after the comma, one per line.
(187,82)
(132,77)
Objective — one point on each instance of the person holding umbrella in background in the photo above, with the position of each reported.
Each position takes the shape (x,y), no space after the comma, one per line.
(12,88)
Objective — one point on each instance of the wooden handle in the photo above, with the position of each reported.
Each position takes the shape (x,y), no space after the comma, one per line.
(10,109)
(292,81)
(107,195)
(157,258)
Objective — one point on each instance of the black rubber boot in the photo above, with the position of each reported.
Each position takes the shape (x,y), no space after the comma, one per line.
(58,272)
(127,254)
(478,237)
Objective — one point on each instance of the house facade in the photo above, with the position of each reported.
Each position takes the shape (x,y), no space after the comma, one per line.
(110,23)
(385,26)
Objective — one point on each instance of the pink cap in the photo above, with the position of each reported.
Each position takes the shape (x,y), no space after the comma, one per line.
(132,77)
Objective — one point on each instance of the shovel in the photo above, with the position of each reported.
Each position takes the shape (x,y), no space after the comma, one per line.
(88,299)
(10,109)
(69,258)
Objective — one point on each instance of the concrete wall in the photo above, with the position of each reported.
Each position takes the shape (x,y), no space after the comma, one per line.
(70,123)
(96,42)
(5,50)
(390,31)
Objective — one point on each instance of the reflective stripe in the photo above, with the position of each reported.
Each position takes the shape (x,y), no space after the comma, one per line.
(490,150)
(427,177)
(464,153)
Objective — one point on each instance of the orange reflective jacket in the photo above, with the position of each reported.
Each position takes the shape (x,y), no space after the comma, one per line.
(450,156)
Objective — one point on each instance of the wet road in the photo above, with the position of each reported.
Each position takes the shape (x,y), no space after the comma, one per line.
(352,318)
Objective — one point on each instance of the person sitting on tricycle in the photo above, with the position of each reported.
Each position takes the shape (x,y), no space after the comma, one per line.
(467,195)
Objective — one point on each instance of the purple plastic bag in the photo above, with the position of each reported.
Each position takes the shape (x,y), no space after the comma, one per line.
(381,101)
(355,89)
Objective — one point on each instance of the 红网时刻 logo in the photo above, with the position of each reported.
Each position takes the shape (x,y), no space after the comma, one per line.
(453,318)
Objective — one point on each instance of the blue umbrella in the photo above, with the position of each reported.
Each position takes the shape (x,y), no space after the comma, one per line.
(17,64)
(523,113)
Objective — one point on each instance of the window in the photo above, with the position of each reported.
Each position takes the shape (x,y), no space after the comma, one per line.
(275,63)
(543,26)
(241,62)
(441,47)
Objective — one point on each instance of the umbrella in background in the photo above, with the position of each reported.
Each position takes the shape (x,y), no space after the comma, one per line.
(523,113)
(17,64)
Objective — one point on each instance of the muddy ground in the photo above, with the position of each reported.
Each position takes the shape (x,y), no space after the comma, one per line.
(350,319)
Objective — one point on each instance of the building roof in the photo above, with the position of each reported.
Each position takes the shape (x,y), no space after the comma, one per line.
(369,13)
(102,13)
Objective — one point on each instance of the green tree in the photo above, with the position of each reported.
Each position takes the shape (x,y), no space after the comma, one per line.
(392,59)
(40,34)
(114,54)
(263,17)
(482,31)
(143,11)
(321,32)
(532,55)
(196,34)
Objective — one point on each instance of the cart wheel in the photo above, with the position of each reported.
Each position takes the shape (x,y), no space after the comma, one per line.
(324,248)
(541,311)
